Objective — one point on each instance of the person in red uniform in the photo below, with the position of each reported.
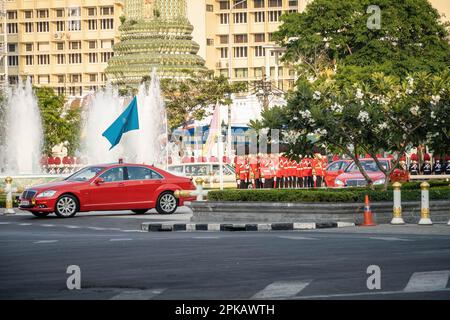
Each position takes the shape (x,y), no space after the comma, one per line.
(254,171)
(317,170)
(294,174)
(426,166)
(299,172)
(238,167)
(279,172)
(307,172)
(242,173)
(272,170)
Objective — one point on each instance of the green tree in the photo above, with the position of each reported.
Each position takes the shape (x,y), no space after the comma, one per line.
(333,36)
(60,123)
(187,99)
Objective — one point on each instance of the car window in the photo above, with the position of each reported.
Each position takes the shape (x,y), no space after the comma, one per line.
(334,167)
(178,169)
(368,165)
(226,171)
(142,173)
(85,174)
(113,175)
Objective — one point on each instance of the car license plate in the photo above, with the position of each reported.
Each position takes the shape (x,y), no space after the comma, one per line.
(24,203)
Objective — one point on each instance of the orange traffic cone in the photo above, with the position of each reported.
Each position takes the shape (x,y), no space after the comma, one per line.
(368,222)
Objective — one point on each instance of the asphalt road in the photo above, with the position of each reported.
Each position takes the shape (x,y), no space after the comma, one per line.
(118,261)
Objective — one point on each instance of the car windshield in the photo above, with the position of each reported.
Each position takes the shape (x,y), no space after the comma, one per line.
(85,174)
(368,165)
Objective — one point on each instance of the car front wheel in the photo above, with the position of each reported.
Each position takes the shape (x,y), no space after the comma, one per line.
(167,203)
(66,206)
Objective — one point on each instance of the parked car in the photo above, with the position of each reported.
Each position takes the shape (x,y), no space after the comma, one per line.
(208,171)
(352,177)
(334,169)
(134,187)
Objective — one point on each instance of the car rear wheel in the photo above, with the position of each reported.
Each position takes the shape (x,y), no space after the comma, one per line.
(140,211)
(167,203)
(40,214)
(66,206)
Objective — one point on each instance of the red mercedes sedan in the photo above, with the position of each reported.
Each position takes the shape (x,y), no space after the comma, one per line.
(111,187)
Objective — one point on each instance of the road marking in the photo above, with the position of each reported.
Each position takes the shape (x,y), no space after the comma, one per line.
(371,293)
(281,289)
(5,222)
(138,294)
(72,227)
(96,228)
(45,241)
(132,230)
(297,238)
(24,224)
(428,281)
(389,239)
(205,237)
(46,225)
(123,239)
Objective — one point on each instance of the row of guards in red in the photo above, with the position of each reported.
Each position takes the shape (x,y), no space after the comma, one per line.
(191,159)
(277,171)
(62,165)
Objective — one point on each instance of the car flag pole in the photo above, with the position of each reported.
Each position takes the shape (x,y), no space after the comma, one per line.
(220,145)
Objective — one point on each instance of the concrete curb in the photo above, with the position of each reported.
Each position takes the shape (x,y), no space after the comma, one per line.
(285,226)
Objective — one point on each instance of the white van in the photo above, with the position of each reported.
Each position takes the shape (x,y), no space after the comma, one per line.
(208,171)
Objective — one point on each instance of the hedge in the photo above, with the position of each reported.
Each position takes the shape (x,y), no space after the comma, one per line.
(323,195)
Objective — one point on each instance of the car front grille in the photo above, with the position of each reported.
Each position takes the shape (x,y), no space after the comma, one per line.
(356,183)
(28,194)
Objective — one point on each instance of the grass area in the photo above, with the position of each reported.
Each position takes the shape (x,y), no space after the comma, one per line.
(410,193)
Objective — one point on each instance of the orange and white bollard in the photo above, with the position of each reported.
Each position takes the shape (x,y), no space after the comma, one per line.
(368,219)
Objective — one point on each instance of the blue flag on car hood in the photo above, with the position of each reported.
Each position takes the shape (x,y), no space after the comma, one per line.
(127,121)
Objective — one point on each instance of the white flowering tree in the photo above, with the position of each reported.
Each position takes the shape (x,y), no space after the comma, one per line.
(381,114)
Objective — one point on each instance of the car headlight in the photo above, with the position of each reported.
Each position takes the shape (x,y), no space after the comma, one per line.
(338,182)
(378,182)
(46,194)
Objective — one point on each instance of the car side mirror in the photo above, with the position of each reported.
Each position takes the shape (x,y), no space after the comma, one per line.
(99,181)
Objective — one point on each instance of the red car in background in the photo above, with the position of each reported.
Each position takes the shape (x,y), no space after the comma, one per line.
(352,177)
(334,169)
(138,188)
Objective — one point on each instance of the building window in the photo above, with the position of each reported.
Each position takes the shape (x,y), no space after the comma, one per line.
(107,24)
(61,91)
(240,38)
(28,27)
(223,39)
(258,3)
(28,47)
(106,56)
(42,13)
(59,25)
(275,3)
(13,61)
(92,44)
(240,4)
(75,58)
(74,12)
(293,3)
(60,58)
(11,27)
(258,72)
(29,61)
(60,46)
(260,16)
(43,46)
(42,26)
(74,25)
(209,8)
(12,15)
(92,11)
(224,5)
(60,78)
(93,77)
(43,79)
(43,59)
(93,58)
(271,38)
(92,24)
(223,53)
(75,45)
(75,78)
(12,47)
(224,18)
(260,37)
(107,11)
(274,16)
(240,17)
(260,51)
(209,42)
(28,14)
(241,73)
(59,13)
(240,52)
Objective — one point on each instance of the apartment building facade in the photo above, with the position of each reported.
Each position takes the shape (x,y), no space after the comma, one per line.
(63,44)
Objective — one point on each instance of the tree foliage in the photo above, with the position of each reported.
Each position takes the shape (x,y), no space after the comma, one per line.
(60,123)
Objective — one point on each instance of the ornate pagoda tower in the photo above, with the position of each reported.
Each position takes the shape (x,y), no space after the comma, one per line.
(155,33)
